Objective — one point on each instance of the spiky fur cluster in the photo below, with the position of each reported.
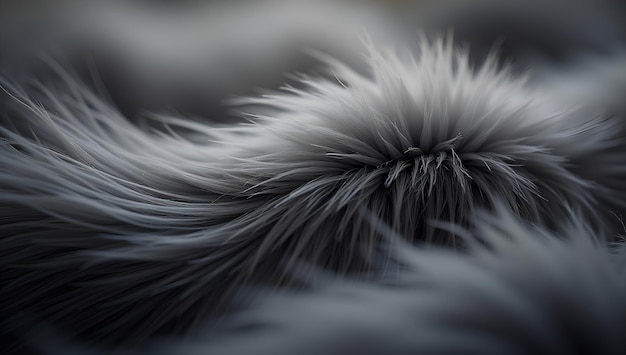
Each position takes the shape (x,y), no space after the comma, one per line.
(113,234)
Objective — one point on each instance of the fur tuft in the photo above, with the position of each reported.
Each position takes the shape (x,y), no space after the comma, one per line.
(115,234)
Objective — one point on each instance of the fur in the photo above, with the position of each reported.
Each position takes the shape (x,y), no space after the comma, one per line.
(518,290)
(112,234)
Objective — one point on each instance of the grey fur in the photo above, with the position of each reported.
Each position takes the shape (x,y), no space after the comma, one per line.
(519,290)
(113,235)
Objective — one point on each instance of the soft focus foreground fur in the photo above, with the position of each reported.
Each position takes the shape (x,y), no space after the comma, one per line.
(519,290)
(113,234)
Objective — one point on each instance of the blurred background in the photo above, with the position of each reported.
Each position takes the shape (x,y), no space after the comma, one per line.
(188,57)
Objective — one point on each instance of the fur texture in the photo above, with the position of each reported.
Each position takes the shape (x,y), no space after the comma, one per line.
(519,290)
(113,234)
